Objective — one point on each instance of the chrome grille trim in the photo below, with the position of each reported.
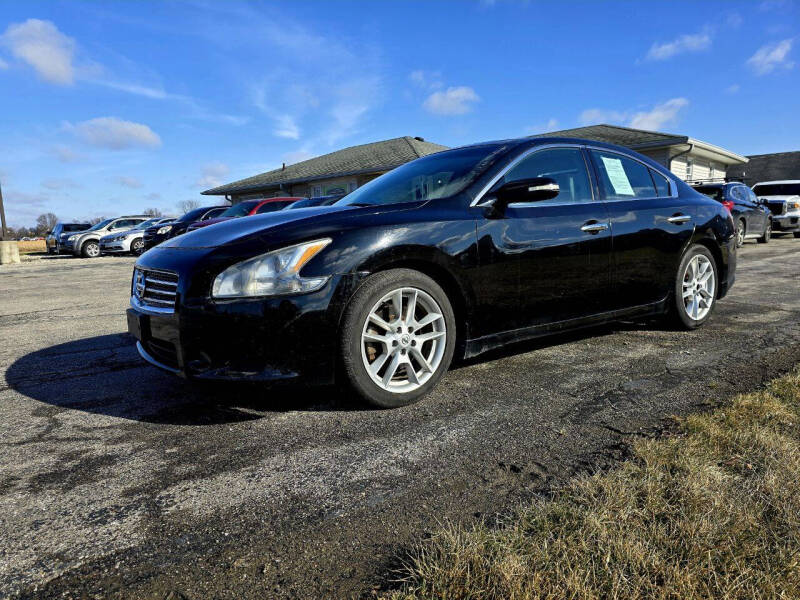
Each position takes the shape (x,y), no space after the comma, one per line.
(154,290)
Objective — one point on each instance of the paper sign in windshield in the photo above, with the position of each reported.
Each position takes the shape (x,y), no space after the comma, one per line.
(617,176)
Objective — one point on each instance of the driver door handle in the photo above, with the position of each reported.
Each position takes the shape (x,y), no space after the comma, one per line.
(678,219)
(594,227)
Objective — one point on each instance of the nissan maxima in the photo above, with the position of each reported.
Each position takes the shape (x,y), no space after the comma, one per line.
(445,257)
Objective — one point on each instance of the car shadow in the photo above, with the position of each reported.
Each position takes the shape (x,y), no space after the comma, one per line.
(105,375)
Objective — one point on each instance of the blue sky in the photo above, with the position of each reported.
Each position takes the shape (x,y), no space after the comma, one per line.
(114,107)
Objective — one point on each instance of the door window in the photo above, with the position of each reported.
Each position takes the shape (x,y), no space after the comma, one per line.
(737,194)
(622,178)
(565,165)
(662,184)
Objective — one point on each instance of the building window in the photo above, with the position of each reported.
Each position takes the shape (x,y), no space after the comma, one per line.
(317,191)
(351,187)
(689,169)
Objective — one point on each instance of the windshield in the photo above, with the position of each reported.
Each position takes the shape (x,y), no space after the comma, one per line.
(240,210)
(712,191)
(436,176)
(100,225)
(146,224)
(777,189)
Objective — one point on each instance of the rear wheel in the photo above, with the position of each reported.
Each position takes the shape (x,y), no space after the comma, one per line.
(695,291)
(764,239)
(397,338)
(741,229)
(90,249)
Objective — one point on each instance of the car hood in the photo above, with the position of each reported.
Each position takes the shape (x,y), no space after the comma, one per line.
(236,229)
(779,198)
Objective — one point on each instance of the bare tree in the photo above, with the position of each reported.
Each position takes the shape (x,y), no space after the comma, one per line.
(45,223)
(152,212)
(96,220)
(185,206)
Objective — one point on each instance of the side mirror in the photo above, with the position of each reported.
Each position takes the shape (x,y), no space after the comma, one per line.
(534,189)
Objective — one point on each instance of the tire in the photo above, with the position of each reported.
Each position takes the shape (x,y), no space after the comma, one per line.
(137,247)
(394,347)
(764,239)
(90,249)
(685,279)
(741,231)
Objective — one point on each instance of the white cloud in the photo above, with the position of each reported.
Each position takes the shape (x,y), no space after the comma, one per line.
(733,88)
(452,101)
(65,154)
(55,183)
(431,80)
(662,114)
(770,57)
(285,127)
(42,46)
(212,175)
(129,182)
(551,125)
(114,133)
(685,43)
(593,116)
(3,65)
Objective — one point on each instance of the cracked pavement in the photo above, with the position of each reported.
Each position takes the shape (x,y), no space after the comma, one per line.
(118,480)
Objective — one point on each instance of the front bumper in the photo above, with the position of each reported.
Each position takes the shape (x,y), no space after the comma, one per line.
(787,222)
(260,339)
(114,247)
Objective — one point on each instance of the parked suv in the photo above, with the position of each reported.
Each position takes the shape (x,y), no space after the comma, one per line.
(54,241)
(752,218)
(131,240)
(783,200)
(87,243)
(159,233)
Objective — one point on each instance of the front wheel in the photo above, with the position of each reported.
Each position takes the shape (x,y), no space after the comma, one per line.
(137,247)
(397,339)
(90,249)
(695,290)
(764,239)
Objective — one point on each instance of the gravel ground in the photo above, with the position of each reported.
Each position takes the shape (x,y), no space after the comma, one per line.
(118,480)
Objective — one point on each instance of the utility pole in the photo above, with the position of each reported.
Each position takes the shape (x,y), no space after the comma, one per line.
(3,233)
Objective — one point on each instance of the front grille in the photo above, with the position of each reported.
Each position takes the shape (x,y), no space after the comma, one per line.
(157,289)
(777,208)
(162,351)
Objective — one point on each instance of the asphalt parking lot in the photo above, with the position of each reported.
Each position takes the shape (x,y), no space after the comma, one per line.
(119,480)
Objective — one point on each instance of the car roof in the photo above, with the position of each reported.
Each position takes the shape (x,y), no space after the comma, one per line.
(781,181)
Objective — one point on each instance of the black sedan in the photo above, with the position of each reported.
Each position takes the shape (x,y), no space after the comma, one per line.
(447,256)
(158,233)
(752,217)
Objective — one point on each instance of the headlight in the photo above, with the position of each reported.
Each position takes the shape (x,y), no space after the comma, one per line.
(72,238)
(794,204)
(271,274)
(164,229)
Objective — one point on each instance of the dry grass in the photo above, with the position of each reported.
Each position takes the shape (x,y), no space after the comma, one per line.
(712,513)
(31,247)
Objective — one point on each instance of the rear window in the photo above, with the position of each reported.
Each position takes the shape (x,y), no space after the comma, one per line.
(712,191)
(75,227)
(777,189)
(240,210)
(273,206)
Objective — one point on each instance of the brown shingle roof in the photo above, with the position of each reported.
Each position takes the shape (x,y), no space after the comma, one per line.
(767,167)
(366,158)
(622,136)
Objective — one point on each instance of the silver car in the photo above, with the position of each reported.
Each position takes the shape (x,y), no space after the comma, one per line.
(131,240)
(87,243)
(783,200)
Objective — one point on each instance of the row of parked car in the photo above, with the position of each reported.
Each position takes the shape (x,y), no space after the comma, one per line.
(133,234)
(770,206)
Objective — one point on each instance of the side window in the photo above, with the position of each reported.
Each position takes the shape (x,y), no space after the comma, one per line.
(662,184)
(752,196)
(622,178)
(565,165)
(736,193)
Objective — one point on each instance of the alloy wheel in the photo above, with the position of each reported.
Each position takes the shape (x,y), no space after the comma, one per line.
(92,250)
(699,287)
(740,234)
(403,340)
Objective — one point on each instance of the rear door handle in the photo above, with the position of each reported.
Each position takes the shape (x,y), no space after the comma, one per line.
(594,227)
(678,219)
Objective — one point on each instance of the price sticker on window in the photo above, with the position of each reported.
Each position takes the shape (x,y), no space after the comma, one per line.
(617,176)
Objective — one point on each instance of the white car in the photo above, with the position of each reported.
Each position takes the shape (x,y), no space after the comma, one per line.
(131,240)
(783,200)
